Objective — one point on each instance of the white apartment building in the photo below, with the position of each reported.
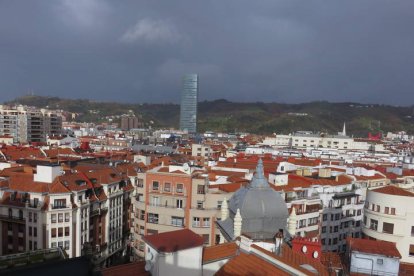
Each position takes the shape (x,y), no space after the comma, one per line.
(49,207)
(309,140)
(27,124)
(389,216)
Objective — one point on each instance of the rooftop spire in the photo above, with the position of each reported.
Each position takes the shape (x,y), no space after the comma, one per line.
(259,180)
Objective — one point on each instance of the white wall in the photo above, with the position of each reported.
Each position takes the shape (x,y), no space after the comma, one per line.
(363,262)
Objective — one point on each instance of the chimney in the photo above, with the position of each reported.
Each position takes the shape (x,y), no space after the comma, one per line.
(279,242)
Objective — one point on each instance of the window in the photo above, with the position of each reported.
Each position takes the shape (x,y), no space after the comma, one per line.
(60,232)
(325,217)
(142,215)
(155,185)
(219,204)
(53,244)
(53,232)
(155,201)
(388,228)
(199,204)
(179,203)
(336,229)
(180,188)
(323,229)
(392,211)
(378,208)
(386,210)
(67,231)
(206,222)
(66,245)
(60,217)
(153,218)
(53,218)
(411,250)
(167,187)
(206,238)
(35,245)
(359,212)
(365,220)
(177,221)
(335,241)
(30,230)
(412,231)
(30,216)
(374,224)
(373,207)
(380,261)
(200,189)
(34,231)
(140,183)
(196,222)
(59,203)
(35,202)
(34,217)
(60,244)
(67,217)
(323,241)
(21,228)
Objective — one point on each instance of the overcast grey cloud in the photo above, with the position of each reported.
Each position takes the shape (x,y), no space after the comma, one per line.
(136,51)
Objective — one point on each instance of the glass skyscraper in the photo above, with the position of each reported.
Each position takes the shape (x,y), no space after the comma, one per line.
(189,96)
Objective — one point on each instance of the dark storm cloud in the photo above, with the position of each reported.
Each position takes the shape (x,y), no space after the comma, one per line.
(136,51)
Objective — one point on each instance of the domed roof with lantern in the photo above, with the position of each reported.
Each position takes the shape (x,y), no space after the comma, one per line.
(262,209)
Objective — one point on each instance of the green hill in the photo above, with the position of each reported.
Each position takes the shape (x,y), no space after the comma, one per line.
(261,118)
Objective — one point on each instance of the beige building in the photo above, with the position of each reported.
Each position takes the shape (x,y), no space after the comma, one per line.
(389,216)
(167,199)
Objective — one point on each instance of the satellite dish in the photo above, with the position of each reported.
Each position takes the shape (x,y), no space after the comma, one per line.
(315,254)
(186,167)
(148,266)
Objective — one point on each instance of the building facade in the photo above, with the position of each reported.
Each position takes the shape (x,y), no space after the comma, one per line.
(388,216)
(27,125)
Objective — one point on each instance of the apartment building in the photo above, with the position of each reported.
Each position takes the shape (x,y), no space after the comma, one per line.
(388,216)
(27,124)
(80,211)
(168,199)
(303,140)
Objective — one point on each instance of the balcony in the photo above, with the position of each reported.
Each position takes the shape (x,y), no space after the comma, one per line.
(12,219)
(53,206)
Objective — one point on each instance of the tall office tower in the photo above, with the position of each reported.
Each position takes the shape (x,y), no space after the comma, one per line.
(189,95)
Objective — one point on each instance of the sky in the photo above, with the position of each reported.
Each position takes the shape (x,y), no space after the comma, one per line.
(271,51)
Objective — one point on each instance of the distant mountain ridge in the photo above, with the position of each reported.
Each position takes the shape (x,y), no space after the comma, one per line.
(260,118)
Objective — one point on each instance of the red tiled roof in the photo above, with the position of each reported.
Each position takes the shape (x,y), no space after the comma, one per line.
(249,264)
(393,190)
(377,247)
(219,252)
(174,241)
(131,269)
(295,259)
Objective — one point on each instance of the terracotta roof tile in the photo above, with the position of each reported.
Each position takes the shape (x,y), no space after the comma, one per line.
(249,264)
(219,252)
(174,241)
(393,190)
(377,247)
(131,269)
